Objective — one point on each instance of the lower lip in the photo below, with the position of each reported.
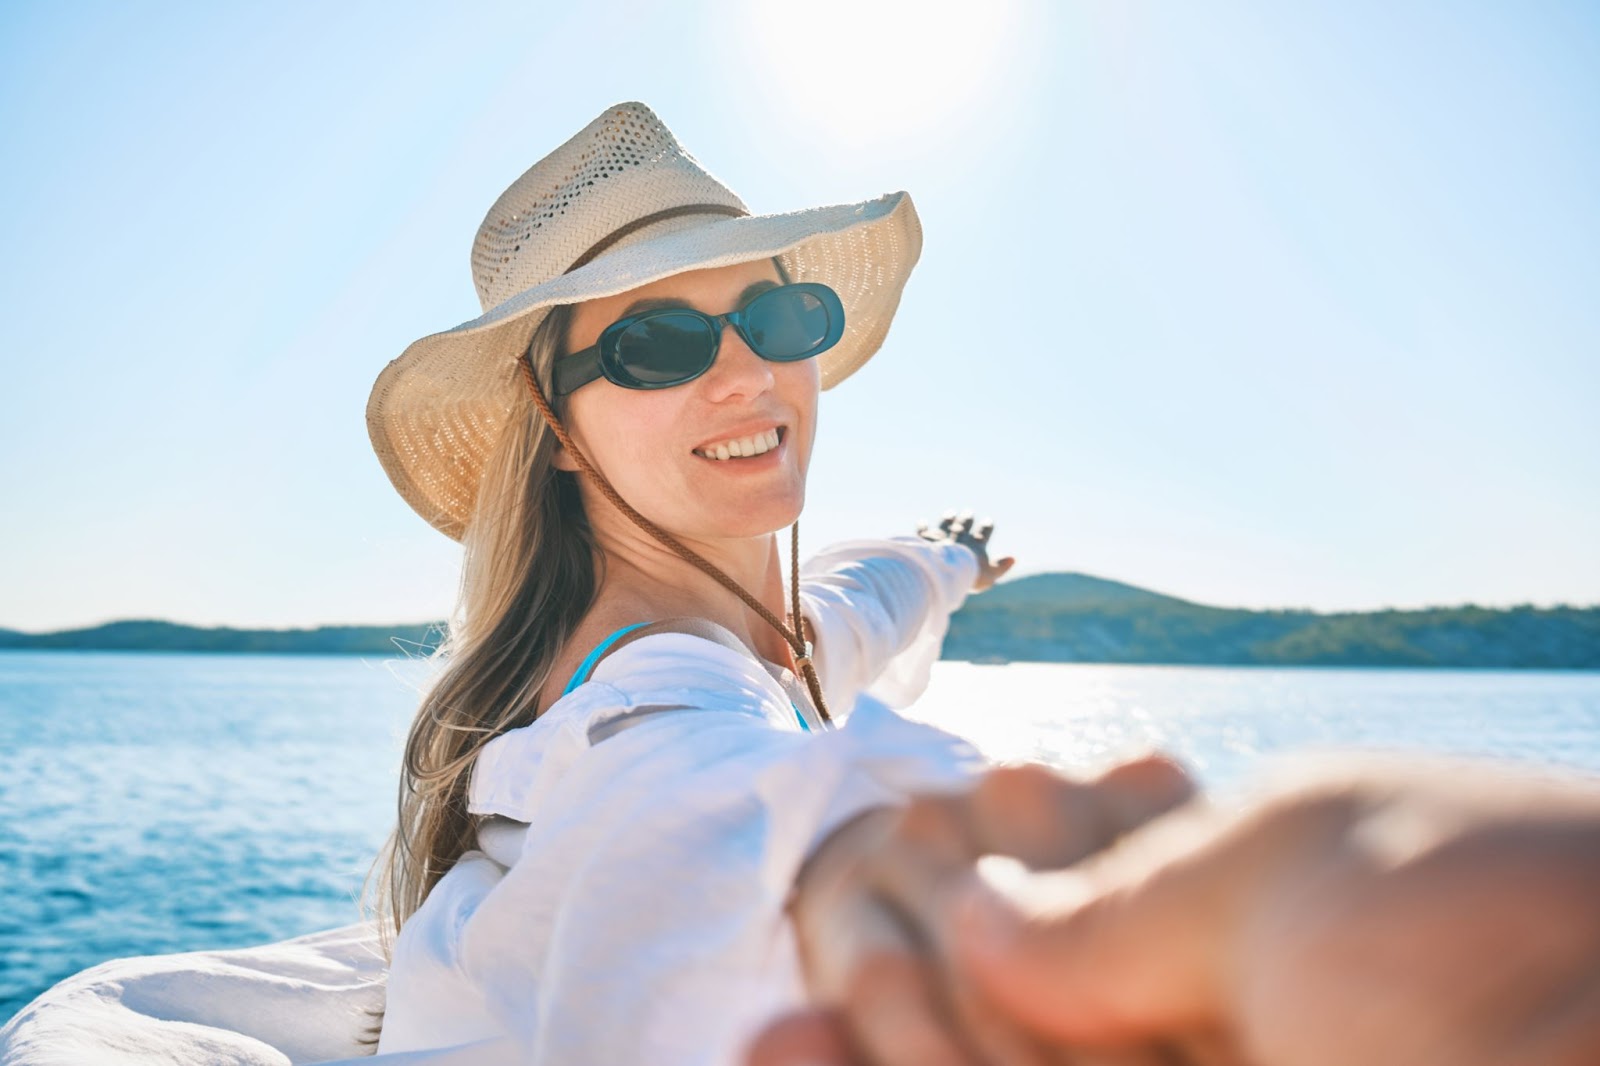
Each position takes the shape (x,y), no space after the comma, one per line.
(765,461)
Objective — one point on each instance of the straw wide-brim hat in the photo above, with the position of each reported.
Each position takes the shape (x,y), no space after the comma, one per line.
(618,206)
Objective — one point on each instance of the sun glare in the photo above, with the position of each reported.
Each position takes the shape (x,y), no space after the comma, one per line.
(837,65)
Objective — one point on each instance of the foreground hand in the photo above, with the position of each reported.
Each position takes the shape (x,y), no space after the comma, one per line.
(959,528)
(1387,916)
(865,905)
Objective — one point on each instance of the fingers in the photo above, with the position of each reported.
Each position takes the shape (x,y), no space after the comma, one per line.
(960,526)
(1127,945)
(894,1010)
(1048,820)
(865,962)
(957,524)
(871,953)
(886,963)
(1140,790)
(1029,812)
(929,848)
(809,1038)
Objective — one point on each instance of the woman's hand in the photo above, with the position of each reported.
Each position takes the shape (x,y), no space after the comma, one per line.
(865,902)
(959,528)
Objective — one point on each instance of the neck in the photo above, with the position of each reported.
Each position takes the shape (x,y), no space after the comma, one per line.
(645,578)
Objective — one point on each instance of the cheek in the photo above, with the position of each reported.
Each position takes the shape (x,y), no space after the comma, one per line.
(802,388)
(636,446)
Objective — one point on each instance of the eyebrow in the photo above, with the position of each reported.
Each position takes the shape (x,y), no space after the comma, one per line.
(658,303)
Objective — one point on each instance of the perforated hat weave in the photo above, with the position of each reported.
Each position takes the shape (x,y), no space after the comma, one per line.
(618,206)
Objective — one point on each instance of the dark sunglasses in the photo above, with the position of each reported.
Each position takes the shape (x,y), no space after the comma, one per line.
(671,345)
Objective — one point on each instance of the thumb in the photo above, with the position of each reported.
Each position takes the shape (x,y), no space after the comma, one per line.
(1103,953)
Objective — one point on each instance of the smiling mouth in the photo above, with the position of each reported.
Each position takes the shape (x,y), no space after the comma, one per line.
(756,446)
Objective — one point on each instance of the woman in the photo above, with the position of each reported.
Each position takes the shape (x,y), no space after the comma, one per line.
(609,792)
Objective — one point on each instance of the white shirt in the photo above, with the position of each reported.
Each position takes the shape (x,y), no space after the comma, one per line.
(627,905)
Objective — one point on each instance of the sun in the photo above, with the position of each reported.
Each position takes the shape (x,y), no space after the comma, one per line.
(836,67)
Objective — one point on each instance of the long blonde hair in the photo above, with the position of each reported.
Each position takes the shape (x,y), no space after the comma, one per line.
(529,573)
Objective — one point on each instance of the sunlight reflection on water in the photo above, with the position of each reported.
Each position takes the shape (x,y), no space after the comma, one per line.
(1221,721)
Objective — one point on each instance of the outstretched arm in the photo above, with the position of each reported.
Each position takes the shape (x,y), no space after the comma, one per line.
(881,608)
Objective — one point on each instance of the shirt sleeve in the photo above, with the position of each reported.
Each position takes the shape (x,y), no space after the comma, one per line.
(643,918)
(883,608)
(294,1001)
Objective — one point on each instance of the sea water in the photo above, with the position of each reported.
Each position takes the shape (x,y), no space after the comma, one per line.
(155,803)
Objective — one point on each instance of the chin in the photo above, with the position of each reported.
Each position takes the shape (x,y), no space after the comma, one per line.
(762,521)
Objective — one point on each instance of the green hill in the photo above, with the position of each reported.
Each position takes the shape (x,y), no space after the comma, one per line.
(1071,618)
(1060,617)
(151,635)
(1069,590)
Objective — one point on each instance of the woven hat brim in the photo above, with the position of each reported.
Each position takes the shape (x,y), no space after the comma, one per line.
(436,412)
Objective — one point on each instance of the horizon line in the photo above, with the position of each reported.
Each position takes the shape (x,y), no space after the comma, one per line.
(312,626)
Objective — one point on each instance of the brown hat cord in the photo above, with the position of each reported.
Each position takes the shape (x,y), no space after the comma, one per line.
(795,638)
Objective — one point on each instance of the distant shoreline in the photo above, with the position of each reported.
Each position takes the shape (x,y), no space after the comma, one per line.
(1057,617)
(396,657)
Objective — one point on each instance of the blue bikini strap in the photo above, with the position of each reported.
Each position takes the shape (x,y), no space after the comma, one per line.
(588,664)
(594,656)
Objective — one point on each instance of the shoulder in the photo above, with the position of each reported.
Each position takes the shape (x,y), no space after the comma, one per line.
(664,671)
(595,629)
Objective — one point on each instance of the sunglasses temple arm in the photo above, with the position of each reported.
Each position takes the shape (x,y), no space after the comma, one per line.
(576,370)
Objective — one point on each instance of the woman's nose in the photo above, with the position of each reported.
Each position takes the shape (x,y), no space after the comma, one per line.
(737,370)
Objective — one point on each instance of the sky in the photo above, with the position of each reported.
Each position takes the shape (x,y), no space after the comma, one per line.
(1257,304)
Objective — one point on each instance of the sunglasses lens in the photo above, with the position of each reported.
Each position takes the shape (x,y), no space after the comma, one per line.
(787,323)
(666,349)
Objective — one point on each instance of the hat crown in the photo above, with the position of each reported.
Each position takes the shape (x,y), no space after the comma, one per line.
(623,167)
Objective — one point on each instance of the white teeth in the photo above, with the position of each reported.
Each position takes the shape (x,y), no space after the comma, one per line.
(743,447)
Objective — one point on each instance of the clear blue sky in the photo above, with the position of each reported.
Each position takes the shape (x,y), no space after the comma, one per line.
(1259,304)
